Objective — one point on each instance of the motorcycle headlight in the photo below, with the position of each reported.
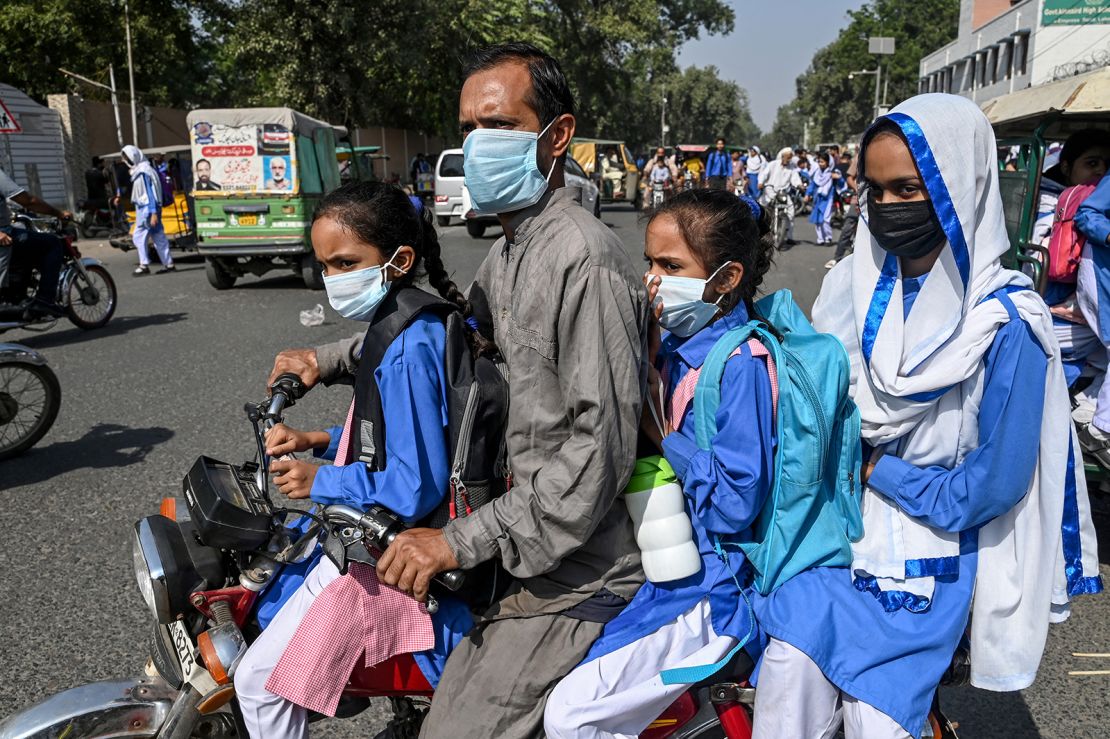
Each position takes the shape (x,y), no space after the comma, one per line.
(163,569)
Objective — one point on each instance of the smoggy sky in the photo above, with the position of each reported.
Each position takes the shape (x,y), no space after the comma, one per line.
(771,45)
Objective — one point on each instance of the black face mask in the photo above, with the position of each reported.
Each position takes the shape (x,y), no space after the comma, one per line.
(908,230)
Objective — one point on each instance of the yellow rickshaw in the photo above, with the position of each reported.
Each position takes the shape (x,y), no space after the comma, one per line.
(617,180)
(177,217)
(690,160)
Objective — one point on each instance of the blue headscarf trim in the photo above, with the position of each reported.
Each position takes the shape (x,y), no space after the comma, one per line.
(1073,550)
(892,600)
(884,289)
(946,214)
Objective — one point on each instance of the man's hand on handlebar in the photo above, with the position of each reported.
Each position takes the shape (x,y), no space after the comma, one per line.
(293,477)
(301,362)
(413,559)
(282,440)
(5,239)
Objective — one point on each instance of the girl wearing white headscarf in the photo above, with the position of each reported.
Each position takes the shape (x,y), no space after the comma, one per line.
(146,195)
(973,461)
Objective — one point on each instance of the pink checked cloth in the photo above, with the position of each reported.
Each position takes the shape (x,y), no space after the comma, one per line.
(354,617)
(684,391)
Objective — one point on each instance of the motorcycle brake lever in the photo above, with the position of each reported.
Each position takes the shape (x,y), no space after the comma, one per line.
(336,551)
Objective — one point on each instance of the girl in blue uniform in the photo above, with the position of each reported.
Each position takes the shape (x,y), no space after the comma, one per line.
(970,461)
(707,257)
(822,180)
(371,241)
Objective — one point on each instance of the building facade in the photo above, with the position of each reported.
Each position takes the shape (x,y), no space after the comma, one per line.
(1008,45)
(32,150)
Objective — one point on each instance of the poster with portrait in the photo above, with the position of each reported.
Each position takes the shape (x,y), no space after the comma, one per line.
(252,158)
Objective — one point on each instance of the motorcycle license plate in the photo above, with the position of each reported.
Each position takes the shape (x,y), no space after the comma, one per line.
(248,220)
(183,646)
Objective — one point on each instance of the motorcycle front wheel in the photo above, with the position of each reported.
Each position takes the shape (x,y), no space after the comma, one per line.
(92,301)
(30,397)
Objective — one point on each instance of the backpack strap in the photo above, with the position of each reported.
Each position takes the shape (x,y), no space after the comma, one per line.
(684,392)
(707,392)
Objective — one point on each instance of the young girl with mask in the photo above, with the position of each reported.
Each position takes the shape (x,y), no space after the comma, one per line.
(969,452)
(372,242)
(707,257)
(822,180)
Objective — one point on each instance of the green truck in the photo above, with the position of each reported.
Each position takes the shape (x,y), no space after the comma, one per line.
(258,175)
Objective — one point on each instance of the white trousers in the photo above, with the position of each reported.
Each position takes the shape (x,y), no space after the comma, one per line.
(265,714)
(619,694)
(157,235)
(795,699)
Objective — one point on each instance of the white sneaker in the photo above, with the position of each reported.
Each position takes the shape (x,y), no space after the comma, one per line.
(830,264)
(1095,442)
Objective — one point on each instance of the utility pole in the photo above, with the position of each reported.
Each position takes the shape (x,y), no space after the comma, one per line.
(880,46)
(115,105)
(663,120)
(131,73)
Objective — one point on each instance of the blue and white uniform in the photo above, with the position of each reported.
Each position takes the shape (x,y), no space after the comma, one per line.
(821,184)
(1093,288)
(974,491)
(415,480)
(146,195)
(618,690)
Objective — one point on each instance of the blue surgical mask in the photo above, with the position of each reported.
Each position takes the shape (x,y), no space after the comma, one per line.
(357,295)
(500,170)
(684,312)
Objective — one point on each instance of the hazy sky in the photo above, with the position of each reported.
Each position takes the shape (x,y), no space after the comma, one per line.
(771,45)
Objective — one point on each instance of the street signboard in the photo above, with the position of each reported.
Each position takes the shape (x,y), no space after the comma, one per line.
(884,44)
(8,123)
(1075,12)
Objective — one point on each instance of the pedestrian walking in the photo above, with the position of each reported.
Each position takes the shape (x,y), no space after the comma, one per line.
(718,168)
(146,194)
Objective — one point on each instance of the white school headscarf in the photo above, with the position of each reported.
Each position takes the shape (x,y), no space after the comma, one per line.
(918,382)
(140,167)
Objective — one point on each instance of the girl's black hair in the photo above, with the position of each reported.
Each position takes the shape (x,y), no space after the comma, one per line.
(720,227)
(1080,142)
(382,215)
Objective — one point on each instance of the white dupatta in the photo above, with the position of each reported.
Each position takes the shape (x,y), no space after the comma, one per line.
(919,381)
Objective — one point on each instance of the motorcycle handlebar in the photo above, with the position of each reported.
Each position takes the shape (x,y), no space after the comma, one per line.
(380,527)
(285,391)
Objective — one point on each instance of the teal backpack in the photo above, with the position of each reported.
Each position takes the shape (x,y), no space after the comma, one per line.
(813,510)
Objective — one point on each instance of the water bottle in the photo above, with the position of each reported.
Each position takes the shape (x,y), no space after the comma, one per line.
(663,530)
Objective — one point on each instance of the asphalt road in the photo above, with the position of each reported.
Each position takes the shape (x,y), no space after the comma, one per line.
(166,381)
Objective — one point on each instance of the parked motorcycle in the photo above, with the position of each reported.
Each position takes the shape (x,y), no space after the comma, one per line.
(29,398)
(86,290)
(95,218)
(201,564)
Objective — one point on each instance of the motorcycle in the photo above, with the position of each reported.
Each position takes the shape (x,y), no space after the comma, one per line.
(30,397)
(783,204)
(86,291)
(658,194)
(95,218)
(201,565)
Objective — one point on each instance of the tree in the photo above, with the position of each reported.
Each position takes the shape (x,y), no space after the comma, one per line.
(838,107)
(85,36)
(788,129)
(701,106)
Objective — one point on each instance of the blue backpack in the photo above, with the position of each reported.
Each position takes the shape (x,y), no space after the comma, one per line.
(813,510)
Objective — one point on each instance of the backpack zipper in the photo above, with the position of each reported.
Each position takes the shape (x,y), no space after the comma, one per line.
(462,449)
(807,387)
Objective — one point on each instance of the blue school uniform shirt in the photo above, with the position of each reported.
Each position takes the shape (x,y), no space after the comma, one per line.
(415,480)
(718,164)
(893,661)
(724,490)
(1092,219)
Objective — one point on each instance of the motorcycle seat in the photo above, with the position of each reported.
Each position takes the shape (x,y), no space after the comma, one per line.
(736,670)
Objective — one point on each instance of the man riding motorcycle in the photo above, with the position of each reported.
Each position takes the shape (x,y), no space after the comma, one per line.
(776,177)
(27,249)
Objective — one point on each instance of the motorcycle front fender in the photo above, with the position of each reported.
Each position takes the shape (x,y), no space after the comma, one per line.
(130,707)
(19,353)
(69,274)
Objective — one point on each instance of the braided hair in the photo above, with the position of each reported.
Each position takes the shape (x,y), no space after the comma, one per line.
(382,215)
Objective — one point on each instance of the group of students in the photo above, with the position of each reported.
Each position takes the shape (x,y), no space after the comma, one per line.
(821,181)
(970,457)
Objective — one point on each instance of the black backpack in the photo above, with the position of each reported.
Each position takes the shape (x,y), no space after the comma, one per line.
(477,404)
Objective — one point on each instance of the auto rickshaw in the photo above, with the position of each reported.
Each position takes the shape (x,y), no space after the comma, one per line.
(259,174)
(613,188)
(357,162)
(178,218)
(1026,124)
(690,160)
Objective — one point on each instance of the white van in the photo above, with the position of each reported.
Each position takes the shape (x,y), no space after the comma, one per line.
(449,185)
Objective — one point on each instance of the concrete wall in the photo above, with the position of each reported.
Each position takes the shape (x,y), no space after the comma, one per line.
(35,157)
(1009,52)
(157,127)
(401,146)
